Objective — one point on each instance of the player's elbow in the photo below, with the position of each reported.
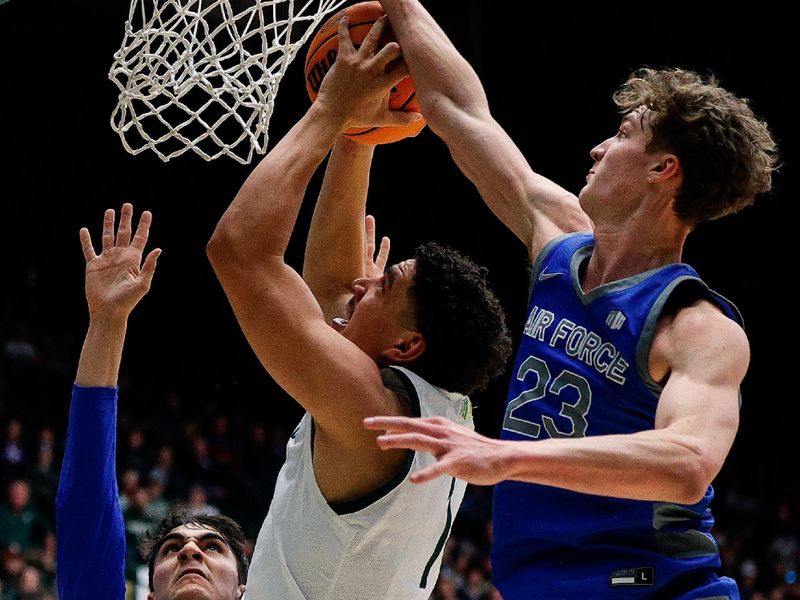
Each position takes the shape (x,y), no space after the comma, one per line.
(233,244)
(220,247)
(694,476)
(446,118)
(230,256)
(436,108)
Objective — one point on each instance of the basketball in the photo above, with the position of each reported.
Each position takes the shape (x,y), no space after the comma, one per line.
(322,54)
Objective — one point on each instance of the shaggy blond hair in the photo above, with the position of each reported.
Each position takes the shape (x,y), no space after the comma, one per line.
(727,153)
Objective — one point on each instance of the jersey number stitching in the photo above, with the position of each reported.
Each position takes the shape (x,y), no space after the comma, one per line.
(576,412)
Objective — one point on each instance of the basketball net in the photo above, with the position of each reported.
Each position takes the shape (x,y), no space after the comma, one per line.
(202,75)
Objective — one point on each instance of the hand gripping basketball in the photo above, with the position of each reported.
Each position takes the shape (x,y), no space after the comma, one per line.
(322,55)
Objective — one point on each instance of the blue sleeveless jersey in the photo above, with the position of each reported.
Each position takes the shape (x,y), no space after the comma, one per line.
(582,370)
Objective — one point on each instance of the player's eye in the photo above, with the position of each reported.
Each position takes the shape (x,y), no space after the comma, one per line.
(214,546)
(171,547)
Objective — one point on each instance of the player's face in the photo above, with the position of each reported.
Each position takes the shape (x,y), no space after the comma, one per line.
(617,181)
(195,563)
(381,309)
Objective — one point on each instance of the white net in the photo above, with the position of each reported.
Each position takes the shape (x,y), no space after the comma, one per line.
(202,75)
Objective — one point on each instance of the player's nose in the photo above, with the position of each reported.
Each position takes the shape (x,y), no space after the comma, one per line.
(597,152)
(190,551)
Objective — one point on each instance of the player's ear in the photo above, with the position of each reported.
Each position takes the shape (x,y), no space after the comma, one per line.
(406,349)
(664,168)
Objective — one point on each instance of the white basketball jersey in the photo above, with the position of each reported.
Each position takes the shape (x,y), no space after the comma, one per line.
(386,546)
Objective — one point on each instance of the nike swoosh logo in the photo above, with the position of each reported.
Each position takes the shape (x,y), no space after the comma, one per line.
(545,275)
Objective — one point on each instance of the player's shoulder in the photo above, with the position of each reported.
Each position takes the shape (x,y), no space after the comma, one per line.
(698,319)
(701,331)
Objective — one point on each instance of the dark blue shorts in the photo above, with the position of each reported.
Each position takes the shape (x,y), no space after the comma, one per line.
(723,588)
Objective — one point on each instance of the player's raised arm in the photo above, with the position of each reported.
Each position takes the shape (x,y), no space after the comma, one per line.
(279,315)
(341,240)
(116,280)
(89,528)
(454,103)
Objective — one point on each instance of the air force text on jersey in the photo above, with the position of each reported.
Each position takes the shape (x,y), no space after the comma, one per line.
(578,342)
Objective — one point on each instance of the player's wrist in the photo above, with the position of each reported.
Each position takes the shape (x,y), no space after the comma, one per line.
(352,147)
(108,321)
(517,460)
(504,461)
(331,113)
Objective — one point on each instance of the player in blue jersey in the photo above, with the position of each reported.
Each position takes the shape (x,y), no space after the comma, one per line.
(625,391)
(190,556)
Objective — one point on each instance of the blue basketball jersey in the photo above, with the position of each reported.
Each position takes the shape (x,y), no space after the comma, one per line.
(582,370)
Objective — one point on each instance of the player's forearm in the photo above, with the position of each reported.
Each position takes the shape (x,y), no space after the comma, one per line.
(652,465)
(453,102)
(334,254)
(445,82)
(102,352)
(259,222)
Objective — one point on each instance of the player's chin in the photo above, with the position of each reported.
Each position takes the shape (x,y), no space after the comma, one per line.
(194,594)
(584,196)
(193,590)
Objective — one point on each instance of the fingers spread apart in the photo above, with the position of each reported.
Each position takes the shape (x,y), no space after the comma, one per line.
(124,231)
(411,441)
(86,243)
(428,425)
(123,236)
(345,43)
(370,43)
(149,267)
(142,231)
(383,254)
(108,229)
(389,56)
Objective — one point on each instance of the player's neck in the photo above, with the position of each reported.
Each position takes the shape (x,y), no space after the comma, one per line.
(626,252)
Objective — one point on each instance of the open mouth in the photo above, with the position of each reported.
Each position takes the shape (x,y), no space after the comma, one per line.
(350,308)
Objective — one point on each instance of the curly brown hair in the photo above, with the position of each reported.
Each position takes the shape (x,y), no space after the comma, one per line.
(180,515)
(466,339)
(727,153)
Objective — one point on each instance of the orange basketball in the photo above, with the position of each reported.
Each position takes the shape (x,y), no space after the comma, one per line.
(322,54)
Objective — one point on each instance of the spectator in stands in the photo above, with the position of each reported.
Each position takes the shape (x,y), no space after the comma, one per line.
(21,525)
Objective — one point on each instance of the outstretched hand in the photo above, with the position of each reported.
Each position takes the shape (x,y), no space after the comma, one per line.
(374,265)
(359,84)
(116,279)
(459,451)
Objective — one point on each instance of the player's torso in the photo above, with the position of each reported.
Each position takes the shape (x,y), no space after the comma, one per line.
(387,545)
(581,368)
(582,371)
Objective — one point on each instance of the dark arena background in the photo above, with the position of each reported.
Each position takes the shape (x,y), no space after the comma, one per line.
(199,418)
